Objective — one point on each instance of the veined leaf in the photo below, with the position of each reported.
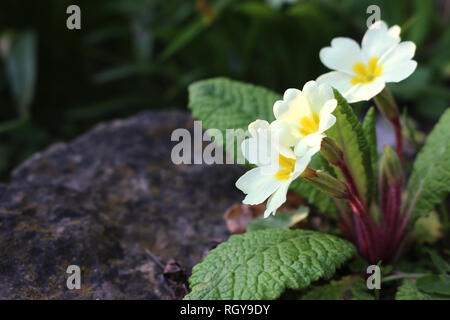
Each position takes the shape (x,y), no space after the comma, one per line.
(347,288)
(262,264)
(430,179)
(408,290)
(437,284)
(371,137)
(349,133)
(225,104)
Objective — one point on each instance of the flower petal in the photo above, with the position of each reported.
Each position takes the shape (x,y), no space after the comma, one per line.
(307,147)
(403,52)
(288,133)
(378,41)
(326,122)
(277,199)
(317,95)
(364,92)
(293,107)
(339,80)
(397,65)
(257,186)
(254,127)
(342,55)
(400,71)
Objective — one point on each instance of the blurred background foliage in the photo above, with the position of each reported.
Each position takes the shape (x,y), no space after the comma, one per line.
(133,55)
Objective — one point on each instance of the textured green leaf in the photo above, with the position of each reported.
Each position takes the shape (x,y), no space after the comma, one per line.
(430,179)
(282,220)
(262,264)
(408,290)
(349,133)
(226,104)
(371,137)
(441,265)
(439,284)
(347,288)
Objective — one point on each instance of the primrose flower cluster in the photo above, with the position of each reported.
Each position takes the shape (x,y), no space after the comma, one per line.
(282,150)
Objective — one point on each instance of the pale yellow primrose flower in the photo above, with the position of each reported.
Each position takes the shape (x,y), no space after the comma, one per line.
(304,116)
(277,167)
(362,72)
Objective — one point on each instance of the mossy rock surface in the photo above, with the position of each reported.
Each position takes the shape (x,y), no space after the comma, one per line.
(101,202)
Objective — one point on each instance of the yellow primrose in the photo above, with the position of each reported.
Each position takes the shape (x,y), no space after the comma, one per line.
(277,167)
(303,116)
(362,72)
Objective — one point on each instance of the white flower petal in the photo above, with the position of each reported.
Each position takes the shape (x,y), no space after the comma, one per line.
(308,146)
(342,55)
(317,95)
(288,133)
(364,92)
(254,127)
(257,186)
(277,199)
(338,80)
(294,107)
(403,52)
(394,31)
(302,162)
(400,71)
(326,122)
(378,41)
(256,151)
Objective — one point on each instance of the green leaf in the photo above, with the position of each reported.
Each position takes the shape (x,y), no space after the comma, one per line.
(441,265)
(438,284)
(371,137)
(314,196)
(349,133)
(409,291)
(20,65)
(225,104)
(262,264)
(347,288)
(282,220)
(430,179)
(428,229)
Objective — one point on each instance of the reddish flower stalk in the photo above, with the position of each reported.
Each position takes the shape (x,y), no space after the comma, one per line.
(375,241)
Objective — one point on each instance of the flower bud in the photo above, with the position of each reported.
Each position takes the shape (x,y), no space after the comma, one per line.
(326,183)
(386,103)
(391,167)
(331,151)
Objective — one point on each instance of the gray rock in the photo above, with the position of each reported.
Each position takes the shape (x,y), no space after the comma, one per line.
(113,203)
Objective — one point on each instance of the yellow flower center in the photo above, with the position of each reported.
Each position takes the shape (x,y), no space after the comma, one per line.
(366,74)
(309,125)
(288,166)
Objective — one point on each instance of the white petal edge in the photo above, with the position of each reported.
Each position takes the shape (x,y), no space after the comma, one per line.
(400,71)
(342,55)
(258,187)
(277,199)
